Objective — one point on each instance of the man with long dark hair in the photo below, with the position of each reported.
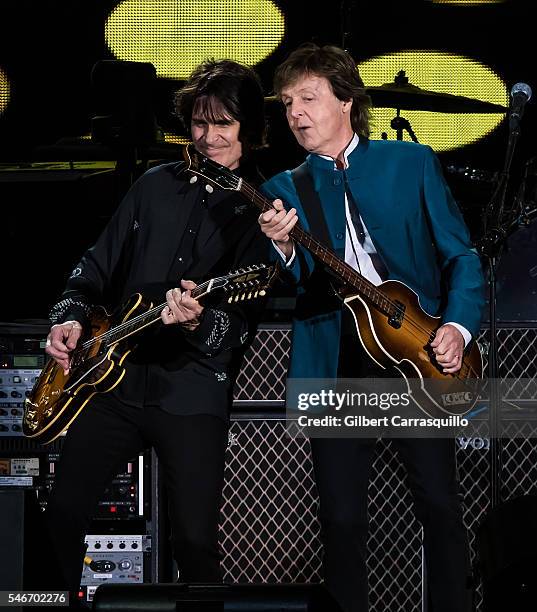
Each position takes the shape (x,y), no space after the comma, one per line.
(389,215)
(177,389)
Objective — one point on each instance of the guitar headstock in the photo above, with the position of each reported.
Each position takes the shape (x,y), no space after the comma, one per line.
(246,283)
(210,171)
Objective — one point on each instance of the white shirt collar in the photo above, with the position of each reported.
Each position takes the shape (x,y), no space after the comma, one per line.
(349,149)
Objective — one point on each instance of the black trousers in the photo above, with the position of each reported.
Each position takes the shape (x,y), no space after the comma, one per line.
(342,468)
(106,434)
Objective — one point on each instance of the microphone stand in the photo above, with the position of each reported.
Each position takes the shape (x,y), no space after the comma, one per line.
(495,233)
(346,9)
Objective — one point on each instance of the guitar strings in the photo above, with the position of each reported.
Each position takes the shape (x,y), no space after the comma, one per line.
(378,298)
(343,268)
(124,325)
(348,272)
(360,270)
(200,289)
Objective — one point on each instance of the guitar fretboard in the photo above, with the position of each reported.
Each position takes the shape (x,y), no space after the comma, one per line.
(341,269)
(131,326)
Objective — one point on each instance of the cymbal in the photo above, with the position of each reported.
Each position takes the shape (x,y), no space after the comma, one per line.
(403,95)
(410,97)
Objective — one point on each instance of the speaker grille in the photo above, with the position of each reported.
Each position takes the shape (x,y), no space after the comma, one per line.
(270,531)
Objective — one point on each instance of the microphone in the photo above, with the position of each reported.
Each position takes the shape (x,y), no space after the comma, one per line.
(520,94)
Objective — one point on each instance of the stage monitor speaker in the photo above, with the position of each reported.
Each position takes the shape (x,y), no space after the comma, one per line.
(214,598)
(507,544)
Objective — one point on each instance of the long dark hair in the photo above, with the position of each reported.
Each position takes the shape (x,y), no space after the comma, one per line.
(338,67)
(236,88)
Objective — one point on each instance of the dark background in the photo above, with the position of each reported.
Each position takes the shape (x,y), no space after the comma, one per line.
(48,48)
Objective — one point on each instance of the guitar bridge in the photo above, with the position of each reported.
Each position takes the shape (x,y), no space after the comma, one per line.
(396,317)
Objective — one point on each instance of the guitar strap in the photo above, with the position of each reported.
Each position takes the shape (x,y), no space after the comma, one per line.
(313,211)
(311,204)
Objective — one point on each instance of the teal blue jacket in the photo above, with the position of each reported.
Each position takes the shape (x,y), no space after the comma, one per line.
(417,230)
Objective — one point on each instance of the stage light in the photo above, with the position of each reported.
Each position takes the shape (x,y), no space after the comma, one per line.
(442,72)
(4,91)
(176,36)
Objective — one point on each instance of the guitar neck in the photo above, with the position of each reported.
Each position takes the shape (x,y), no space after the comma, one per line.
(339,268)
(145,319)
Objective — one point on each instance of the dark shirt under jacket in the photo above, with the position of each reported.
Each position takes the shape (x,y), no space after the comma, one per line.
(142,249)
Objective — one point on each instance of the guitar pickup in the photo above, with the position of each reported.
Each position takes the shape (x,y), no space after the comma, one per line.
(397,316)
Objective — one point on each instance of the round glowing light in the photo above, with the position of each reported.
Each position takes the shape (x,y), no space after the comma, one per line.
(440,72)
(175,36)
(4,91)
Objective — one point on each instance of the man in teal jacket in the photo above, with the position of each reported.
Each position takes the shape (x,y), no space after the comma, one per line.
(389,214)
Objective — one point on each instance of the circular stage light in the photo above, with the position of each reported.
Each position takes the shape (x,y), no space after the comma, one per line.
(442,72)
(175,36)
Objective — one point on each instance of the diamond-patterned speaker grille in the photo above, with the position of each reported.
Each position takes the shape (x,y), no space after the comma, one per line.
(270,531)
(394,542)
(519,458)
(517,366)
(262,377)
(264,368)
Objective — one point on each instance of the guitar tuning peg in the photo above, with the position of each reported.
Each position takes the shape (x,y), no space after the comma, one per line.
(237,297)
(193,179)
(230,299)
(250,295)
(256,293)
(209,188)
(243,295)
(262,292)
